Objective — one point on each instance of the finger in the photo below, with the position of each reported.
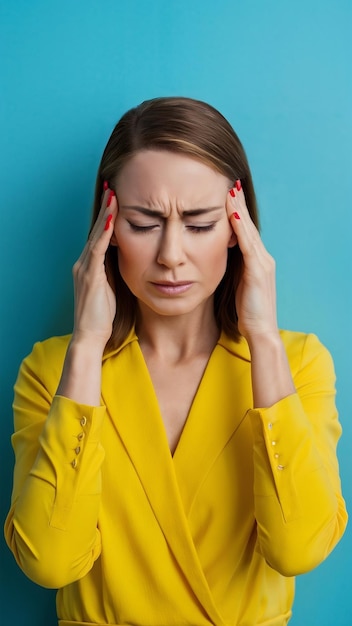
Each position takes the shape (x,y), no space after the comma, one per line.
(236,205)
(247,234)
(107,207)
(103,229)
(104,211)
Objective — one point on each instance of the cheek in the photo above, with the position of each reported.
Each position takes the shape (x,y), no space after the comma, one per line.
(218,263)
(128,255)
(218,247)
(127,245)
(127,265)
(217,254)
(134,256)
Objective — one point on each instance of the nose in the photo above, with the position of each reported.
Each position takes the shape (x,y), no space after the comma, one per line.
(171,251)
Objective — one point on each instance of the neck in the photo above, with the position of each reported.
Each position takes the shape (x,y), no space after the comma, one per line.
(177,338)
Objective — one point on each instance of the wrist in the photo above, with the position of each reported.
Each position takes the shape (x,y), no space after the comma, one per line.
(271,376)
(85,345)
(81,374)
(270,340)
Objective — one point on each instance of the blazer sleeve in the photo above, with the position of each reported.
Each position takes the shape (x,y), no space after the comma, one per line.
(299,508)
(52,524)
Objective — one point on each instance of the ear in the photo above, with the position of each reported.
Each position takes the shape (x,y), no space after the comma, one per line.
(232,241)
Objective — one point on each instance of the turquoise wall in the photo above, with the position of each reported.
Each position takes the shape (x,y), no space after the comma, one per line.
(281,72)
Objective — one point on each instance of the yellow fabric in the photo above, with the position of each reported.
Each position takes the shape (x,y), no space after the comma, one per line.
(211,535)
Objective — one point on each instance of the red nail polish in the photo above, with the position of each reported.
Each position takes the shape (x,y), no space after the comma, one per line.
(106,185)
(236,216)
(232,193)
(238,185)
(111,195)
(108,221)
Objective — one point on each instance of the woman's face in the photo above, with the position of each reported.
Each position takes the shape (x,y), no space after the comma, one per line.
(172,230)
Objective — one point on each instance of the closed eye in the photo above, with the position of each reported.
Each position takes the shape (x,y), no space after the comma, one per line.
(142,229)
(201,229)
(194,228)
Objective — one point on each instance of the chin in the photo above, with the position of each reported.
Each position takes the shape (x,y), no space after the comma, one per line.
(174,307)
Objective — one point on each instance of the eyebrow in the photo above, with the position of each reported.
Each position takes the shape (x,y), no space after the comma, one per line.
(186,213)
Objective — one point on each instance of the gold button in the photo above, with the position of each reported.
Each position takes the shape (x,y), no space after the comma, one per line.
(74,463)
(273,443)
(80,436)
(83,421)
(270,425)
(280,467)
(276,456)
(78,449)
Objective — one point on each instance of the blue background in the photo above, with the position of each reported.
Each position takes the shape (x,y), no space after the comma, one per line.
(281,72)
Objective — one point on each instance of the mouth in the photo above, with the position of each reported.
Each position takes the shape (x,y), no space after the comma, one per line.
(172,288)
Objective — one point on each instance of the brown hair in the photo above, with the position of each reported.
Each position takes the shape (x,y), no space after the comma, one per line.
(189,127)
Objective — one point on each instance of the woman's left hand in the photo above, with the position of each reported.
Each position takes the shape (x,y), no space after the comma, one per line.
(256,292)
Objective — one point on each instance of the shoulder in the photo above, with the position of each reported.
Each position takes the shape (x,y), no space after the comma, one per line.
(297,343)
(45,362)
(304,351)
(52,349)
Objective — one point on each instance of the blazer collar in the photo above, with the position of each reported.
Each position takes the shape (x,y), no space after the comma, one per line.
(236,347)
(171,484)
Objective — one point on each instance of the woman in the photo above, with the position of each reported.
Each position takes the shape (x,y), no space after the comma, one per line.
(175,456)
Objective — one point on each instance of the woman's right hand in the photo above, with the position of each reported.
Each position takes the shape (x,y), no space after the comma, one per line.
(95,300)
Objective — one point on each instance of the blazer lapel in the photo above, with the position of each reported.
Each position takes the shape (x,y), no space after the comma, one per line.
(128,394)
(221,403)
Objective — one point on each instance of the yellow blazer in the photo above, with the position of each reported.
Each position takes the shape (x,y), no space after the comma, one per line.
(214,534)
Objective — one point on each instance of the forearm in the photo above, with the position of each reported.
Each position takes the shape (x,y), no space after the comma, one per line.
(270,371)
(81,374)
(54,517)
(299,509)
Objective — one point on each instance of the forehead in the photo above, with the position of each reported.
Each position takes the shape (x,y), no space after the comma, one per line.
(162,171)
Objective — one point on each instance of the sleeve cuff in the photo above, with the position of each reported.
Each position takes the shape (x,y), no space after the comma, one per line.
(70,455)
(283,452)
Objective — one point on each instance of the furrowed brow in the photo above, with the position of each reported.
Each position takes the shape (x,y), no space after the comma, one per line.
(186,213)
(144,210)
(194,212)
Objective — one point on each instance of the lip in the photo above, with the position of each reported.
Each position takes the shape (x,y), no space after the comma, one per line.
(172,288)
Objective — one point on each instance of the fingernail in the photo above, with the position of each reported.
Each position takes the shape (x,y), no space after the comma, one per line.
(236,216)
(238,185)
(232,193)
(107,223)
(111,195)
(106,185)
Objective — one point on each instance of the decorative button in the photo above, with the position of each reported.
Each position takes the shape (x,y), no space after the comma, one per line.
(273,443)
(78,449)
(83,420)
(74,463)
(270,425)
(280,467)
(80,436)
(276,456)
